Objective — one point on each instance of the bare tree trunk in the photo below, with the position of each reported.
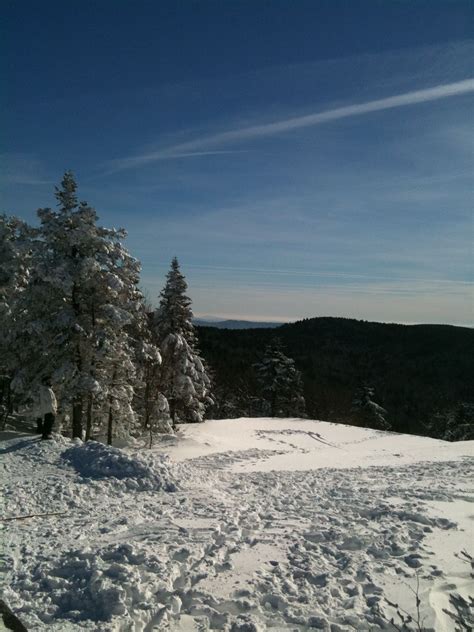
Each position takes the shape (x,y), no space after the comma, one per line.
(273,404)
(9,398)
(77,402)
(77,418)
(110,425)
(90,404)
(146,421)
(7,402)
(172,405)
(90,400)
(110,422)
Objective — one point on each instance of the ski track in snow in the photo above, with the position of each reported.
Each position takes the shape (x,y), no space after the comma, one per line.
(230,549)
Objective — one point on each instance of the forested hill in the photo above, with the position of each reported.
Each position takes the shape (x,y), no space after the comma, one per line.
(236,324)
(416,370)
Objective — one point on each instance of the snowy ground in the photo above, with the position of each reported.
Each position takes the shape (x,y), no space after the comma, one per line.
(239,525)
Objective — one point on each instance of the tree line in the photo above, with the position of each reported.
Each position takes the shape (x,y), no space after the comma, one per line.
(72,314)
(407,378)
(73,319)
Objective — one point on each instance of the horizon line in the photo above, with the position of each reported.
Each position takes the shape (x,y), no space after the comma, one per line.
(291,321)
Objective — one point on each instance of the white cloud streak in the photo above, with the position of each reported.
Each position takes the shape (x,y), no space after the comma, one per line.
(324,274)
(194,154)
(191,148)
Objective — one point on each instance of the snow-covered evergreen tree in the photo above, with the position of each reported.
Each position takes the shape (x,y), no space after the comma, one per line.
(150,403)
(281,383)
(454,424)
(116,417)
(81,297)
(15,261)
(367,411)
(15,245)
(184,379)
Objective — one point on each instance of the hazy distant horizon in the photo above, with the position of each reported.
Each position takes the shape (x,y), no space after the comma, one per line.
(220,319)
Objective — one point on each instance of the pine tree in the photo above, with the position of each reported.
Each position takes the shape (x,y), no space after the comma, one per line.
(81,297)
(281,382)
(116,417)
(460,426)
(150,403)
(15,262)
(453,424)
(367,411)
(185,382)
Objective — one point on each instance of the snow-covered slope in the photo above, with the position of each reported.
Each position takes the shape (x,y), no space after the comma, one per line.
(249,524)
(265,444)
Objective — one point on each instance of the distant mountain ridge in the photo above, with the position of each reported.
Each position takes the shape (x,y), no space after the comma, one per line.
(236,324)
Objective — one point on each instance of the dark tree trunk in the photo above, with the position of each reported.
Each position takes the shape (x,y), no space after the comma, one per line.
(9,398)
(273,404)
(77,403)
(110,422)
(90,403)
(172,405)
(110,426)
(90,399)
(146,421)
(77,418)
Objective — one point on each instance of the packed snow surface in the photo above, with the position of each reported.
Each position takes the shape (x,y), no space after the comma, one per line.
(239,525)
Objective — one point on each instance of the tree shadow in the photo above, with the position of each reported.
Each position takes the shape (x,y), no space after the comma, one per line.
(18,445)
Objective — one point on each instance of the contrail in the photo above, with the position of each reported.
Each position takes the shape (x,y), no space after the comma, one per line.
(269,129)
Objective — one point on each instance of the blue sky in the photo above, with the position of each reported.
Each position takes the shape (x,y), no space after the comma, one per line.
(300,158)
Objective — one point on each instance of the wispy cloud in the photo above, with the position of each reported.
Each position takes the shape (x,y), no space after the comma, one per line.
(193,154)
(22,169)
(325,274)
(193,147)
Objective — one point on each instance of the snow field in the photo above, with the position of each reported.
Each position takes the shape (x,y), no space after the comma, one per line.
(239,545)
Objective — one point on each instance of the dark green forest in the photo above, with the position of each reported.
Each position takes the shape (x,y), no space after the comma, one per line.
(421,374)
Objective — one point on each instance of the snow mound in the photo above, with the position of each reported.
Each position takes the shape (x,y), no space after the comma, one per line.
(97,461)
